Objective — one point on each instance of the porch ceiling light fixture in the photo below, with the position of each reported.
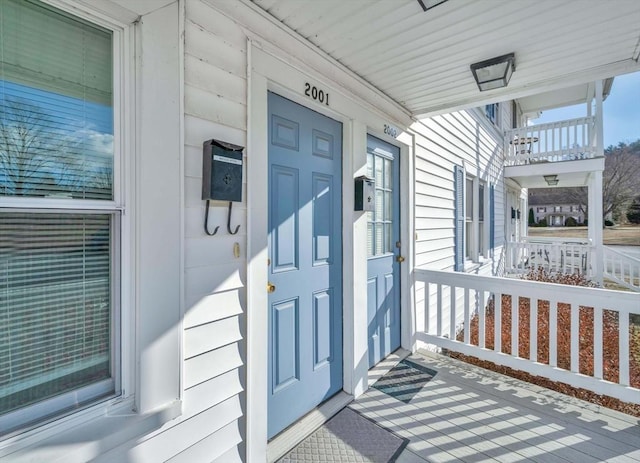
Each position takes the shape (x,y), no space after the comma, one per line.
(494,72)
(552,180)
(428,4)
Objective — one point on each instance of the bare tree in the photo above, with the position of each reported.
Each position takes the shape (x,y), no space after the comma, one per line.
(621,180)
(36,158)
(23,145)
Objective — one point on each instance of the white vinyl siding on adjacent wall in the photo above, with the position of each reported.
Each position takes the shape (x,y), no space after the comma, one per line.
(443,144)
(215,107)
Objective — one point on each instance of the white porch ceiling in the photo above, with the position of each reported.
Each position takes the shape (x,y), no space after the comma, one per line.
(562,97)
(568,173)
(421,59)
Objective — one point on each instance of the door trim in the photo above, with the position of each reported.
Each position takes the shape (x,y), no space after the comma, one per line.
(266,71)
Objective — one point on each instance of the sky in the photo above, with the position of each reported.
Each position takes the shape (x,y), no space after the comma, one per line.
(621,111)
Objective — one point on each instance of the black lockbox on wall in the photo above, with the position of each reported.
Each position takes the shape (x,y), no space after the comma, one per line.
(221,171)
(365,193)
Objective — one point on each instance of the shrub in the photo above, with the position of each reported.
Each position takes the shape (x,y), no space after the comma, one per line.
(542,223)
(608,223)
(570,222)
(532,218)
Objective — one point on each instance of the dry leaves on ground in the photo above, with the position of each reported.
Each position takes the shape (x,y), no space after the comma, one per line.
(610,341)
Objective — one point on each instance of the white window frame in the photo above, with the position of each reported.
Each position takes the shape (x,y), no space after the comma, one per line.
(492,111)
(475,251)
(61,408)
(483,238)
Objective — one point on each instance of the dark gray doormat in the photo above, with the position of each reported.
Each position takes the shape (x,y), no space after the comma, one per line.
(404,380)
(348,437)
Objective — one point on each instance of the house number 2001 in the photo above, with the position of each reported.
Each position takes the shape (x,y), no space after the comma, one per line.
(315,93)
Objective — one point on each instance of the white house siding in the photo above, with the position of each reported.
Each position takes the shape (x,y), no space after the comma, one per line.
(461,138)
(211,426)
(214,323)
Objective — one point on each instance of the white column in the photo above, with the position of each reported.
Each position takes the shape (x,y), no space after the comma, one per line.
(356,343)
(595,223)
(595,212)
(599,120)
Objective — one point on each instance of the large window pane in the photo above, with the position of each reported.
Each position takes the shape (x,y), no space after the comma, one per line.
(55,304)
(56,111)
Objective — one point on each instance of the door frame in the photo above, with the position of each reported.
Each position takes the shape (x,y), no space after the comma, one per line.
(269,70)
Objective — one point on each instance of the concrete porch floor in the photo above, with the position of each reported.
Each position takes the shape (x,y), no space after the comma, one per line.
(470,414)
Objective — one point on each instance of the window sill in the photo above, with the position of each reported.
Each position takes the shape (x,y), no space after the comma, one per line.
(86,434)
(474,266)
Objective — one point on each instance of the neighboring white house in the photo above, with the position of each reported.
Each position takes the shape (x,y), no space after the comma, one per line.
(139,324)
(554,212)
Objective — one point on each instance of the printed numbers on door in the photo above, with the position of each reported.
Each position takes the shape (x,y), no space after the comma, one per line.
(391,131)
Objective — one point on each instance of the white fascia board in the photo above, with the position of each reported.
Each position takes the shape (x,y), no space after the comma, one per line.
(529,89)
(270,34)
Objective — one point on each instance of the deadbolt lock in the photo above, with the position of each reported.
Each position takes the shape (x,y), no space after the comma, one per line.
(399,259)
(271,287)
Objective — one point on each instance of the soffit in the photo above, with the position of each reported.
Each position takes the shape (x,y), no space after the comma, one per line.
(421,59)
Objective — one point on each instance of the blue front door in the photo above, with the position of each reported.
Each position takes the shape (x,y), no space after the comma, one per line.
(383,244)
(305,261)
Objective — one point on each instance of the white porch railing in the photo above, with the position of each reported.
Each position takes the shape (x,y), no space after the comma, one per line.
(569,348)
(621,268)
(555,141)
(566,256)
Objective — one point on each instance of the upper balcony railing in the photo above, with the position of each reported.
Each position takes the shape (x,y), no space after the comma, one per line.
(568,140)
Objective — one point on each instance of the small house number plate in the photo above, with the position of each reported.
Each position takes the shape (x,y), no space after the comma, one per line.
(316,94)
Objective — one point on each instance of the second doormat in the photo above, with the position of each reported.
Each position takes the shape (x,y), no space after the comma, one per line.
(405,380)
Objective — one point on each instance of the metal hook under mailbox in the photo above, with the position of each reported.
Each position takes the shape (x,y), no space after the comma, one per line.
(206,222)
(229,222)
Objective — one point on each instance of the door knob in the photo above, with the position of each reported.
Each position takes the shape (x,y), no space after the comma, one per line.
(271,287)
(399,259)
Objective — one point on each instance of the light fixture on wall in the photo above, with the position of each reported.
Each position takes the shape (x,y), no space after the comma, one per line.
(551,180)
(494,72)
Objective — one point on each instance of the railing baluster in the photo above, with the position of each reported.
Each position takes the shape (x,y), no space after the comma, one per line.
(452,314)
(467,318)
(623,345)
(439,313)
(533,329)
(481,319)
(553,333)
(597,342)
(427,307)
(575,338)
(497,328)
(515,325)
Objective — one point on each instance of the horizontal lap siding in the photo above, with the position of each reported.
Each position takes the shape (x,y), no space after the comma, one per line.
(215,99)
(441,143)
(211,426)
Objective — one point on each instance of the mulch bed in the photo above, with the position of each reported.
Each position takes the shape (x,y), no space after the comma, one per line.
(610,346)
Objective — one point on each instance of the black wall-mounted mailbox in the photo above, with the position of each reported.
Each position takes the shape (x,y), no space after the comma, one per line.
(221,171)
(365,194)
